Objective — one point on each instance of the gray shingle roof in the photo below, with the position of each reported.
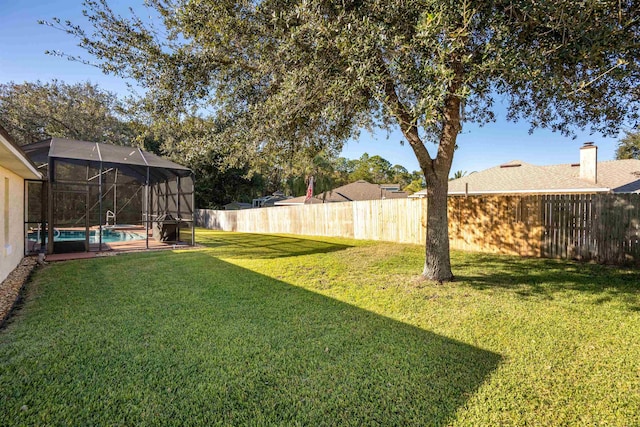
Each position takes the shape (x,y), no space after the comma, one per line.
(521,177)
(359,190)
(621,176)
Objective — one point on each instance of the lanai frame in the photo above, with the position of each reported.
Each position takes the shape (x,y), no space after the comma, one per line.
(168,186)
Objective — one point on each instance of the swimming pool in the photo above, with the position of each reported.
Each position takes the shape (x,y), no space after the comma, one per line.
(108,236)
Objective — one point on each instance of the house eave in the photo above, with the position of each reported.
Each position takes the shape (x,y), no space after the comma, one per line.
(13,159)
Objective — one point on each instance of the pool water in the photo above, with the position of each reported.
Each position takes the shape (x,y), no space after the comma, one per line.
(108,236)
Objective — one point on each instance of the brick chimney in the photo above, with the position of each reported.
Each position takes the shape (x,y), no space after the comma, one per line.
(589,162)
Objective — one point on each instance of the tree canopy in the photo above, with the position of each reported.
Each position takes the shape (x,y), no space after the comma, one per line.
(294,76)
(629,146)
(377,170)
(34,111)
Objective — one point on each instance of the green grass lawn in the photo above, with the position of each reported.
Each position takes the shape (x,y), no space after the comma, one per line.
(283,330)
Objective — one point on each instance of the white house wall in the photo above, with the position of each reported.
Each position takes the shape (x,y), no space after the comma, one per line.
(11,221)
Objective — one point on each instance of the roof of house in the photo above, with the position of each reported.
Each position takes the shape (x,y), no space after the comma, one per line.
(13,158)
(359,190)
(297,201)
(621,176)
(390,186)
(235,205)
(521,177)
(270,200)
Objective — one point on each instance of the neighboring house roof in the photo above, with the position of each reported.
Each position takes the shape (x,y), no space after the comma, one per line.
(266,201)
(521,177)
(390,187)
(234,206)
(359,190)
(13,158)
(297,201)
(621,176)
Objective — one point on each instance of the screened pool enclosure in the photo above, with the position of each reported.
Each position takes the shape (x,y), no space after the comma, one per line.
(97,195)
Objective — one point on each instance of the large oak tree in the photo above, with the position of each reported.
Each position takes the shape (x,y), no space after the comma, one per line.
(310,74)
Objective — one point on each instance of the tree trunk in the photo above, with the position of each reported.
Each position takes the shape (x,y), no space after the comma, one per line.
(437,264)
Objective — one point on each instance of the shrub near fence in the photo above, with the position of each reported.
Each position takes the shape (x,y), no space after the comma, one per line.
(600,227)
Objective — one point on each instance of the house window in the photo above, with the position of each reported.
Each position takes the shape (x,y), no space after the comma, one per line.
(6,211)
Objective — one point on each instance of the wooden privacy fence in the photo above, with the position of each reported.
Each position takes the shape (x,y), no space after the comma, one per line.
(395,220)
(600,227)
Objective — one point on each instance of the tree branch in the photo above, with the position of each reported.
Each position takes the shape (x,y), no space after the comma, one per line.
(451,122)
(407,124)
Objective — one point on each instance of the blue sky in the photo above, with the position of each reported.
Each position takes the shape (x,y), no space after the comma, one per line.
(23,43)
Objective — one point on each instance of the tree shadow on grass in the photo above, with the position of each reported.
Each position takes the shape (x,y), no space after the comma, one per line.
(198,341)
(547,277)
(265,246)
